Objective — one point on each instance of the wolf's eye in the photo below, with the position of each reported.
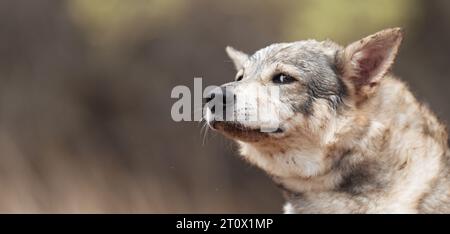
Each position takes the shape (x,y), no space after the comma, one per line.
(282,79)
(240,77)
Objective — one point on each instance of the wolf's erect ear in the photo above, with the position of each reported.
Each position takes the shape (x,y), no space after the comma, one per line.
(365,62)
(238,57)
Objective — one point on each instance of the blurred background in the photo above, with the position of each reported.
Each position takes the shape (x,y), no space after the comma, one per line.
(85,124)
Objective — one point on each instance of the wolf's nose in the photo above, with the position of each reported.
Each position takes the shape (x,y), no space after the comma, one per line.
(220,97)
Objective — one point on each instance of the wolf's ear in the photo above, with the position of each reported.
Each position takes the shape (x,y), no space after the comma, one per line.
(238,57)
(365,62)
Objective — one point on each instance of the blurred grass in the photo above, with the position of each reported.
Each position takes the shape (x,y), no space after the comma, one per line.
(346,20)
(117,23)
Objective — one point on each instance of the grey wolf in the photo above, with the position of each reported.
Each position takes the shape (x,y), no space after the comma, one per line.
(352,138)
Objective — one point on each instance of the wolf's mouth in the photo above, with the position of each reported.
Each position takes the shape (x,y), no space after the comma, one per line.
(240,131)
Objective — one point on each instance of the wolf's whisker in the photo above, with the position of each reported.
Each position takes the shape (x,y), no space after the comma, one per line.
(206,127)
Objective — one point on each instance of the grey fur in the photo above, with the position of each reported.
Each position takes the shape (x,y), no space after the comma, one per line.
(353,139)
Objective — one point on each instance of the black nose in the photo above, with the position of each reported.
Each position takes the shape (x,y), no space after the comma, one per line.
(223,98)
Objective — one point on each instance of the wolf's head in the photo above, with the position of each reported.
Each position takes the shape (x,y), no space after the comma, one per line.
(305,89)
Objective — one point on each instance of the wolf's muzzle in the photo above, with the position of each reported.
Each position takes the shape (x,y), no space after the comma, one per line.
(221,103)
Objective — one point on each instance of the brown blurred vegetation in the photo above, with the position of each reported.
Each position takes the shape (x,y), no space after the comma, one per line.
(85,85)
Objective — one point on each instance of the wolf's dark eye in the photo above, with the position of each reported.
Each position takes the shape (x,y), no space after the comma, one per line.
(282,79)
(240,77)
